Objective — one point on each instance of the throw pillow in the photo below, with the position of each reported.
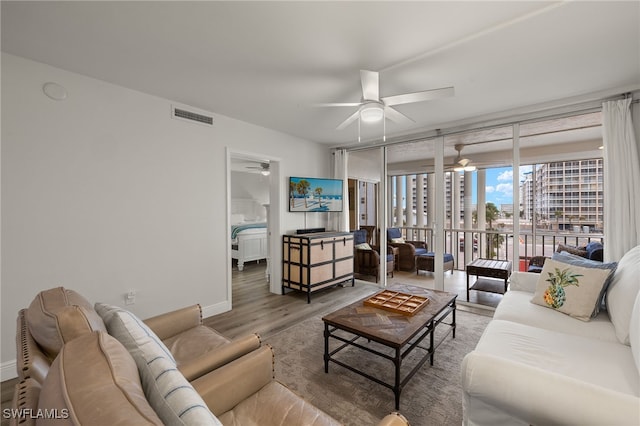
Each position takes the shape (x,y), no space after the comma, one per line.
(172,397)
(572,290)
(95,381)
(397,240)
(581,261)
(622,293)
(363,246)
(578,251)
(133,333)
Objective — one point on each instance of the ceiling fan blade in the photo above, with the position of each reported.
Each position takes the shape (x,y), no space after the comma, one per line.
(370,85)
(337,104)
(396,116)
(426,95)
(353,117)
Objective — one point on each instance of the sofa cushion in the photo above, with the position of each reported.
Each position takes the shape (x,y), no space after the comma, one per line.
(52,321)
(132,332)
(570,289)
(595,251)
(516,306)
(275,404)
(194,342)
(95,381)
(634,332)
(363,246)
(578,251)
(583,359)
(172,397)
(622,293)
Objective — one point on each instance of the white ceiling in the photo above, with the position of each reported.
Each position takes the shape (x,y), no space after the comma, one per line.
(268,62)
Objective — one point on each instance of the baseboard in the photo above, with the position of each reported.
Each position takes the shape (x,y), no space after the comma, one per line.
(8,370)
(218,308)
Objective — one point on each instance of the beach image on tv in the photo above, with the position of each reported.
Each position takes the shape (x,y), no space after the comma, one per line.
(315,195)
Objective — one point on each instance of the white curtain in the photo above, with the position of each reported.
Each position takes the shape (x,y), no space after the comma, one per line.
(621,180)
(340,160)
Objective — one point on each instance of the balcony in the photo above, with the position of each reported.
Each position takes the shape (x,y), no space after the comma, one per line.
(487,244)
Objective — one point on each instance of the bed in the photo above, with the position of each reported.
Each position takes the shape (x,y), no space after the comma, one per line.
(248,239)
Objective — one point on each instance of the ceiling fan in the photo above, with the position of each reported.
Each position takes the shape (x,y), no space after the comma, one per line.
(373,108)
(460,164)
(262,167)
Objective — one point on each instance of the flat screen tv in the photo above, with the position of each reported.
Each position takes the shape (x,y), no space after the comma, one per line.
(315,194)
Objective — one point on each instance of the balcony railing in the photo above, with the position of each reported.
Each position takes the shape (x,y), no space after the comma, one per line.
(490,244)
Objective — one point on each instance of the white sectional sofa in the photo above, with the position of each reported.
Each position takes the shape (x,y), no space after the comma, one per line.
(537,366)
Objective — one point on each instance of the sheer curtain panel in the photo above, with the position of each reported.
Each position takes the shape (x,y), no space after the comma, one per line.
(621,180)
(340,160)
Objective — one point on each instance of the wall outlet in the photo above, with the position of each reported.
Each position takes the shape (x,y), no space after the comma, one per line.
(130,297)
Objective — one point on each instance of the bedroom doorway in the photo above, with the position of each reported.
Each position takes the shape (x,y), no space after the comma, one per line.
(252,251)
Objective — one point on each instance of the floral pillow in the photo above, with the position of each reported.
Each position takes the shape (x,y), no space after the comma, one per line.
(397,240)
(570,289)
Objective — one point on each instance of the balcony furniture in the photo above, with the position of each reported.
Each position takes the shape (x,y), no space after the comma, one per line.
(366,258)
(81,370)
(532,357)
(407,250)
(371,229)
(592,251)
(424,262)
(399,333)
(312,262)
(491,269)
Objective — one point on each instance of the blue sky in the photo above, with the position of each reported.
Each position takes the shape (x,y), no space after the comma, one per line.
(499,185)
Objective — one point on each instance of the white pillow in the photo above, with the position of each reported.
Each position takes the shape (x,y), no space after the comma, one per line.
(363,246)
(634,332)
(398,240)
(171,396)
(622,293)
(570,289)
(134,334)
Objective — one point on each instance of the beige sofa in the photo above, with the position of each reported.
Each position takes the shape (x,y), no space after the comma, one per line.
(101,365)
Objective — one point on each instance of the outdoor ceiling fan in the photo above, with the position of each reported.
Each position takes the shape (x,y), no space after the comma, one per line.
(461,164)
(373,108)
(263,168)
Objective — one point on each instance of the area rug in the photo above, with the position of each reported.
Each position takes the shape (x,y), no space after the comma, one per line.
(432,397)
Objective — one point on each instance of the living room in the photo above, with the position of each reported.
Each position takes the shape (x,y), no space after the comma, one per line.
(104,192)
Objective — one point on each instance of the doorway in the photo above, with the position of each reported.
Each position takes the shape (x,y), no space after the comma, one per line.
(251,190)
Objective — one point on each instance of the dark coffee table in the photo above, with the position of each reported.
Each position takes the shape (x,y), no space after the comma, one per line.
(399,332)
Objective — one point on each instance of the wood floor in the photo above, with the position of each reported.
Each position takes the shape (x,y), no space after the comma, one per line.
(256,310)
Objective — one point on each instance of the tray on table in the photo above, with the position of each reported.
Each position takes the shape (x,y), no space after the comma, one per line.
(398,302)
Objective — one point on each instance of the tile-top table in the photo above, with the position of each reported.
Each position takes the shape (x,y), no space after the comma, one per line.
(500,269)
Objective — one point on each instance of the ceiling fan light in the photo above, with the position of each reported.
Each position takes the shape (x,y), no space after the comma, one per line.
(469,168)
(265,173)
(370,113)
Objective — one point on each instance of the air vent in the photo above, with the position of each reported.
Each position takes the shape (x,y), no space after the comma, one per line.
(190,115)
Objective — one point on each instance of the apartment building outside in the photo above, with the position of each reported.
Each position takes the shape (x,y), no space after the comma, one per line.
(564,195)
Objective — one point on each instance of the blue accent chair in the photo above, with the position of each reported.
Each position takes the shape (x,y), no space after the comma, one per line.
(407,251)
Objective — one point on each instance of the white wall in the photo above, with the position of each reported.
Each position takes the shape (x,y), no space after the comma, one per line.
(105,192)
(250,186)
